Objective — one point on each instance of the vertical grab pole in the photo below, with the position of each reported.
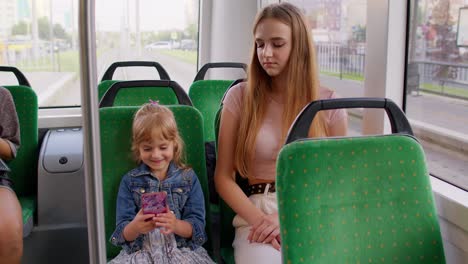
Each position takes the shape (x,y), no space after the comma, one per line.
(92,146)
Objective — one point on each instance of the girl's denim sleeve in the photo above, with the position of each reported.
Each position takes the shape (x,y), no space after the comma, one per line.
(125,212)
(194,213)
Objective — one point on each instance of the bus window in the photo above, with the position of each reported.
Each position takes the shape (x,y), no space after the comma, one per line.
(41,39)
(339,33)
(437,87)
(162,31)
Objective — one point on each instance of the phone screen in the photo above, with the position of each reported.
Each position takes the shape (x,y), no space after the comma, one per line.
(154,203)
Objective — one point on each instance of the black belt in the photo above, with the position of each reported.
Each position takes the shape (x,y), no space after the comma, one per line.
(260,188)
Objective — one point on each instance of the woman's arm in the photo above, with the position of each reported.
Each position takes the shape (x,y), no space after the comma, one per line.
(339,127)
(336,119)
(225,182)
(338,123)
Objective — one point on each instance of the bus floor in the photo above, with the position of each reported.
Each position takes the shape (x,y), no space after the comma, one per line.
(56,244)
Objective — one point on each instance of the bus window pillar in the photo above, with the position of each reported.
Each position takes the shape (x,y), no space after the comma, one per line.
(229,40)
(385,59)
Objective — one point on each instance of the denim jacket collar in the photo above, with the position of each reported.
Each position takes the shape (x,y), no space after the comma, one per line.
(144,169)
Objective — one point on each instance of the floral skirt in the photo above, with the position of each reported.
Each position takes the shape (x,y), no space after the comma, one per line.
(160,248)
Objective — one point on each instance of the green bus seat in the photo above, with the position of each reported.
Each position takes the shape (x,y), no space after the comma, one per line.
(127,93)
(24,166)
(104,86)
(206,95)
(115,124)
(356,199)
(107,79)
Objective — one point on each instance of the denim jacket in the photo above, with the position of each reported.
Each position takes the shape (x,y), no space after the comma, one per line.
(184,197)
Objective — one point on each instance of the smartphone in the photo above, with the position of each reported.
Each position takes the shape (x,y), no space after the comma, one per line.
(154,203)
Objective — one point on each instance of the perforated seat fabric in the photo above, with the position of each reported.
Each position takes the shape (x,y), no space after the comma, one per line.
(206,96)
(116,123)
(24,166)
(357,200)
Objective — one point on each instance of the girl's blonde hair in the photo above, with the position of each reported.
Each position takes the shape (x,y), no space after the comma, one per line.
(154,120)
(302,80)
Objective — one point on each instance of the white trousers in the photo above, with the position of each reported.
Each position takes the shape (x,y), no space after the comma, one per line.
(255,253)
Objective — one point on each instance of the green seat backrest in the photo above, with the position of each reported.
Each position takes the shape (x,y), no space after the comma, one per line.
(140,96)
(206,96)
(357,200)
(24,166)
(115,125)
(104,86)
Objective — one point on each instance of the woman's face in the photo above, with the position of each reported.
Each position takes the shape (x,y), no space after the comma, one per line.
(273,43)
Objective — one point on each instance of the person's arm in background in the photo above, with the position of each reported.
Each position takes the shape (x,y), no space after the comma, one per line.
(339,127)
(9,126)
(11,228)
(5,150)
(336,119)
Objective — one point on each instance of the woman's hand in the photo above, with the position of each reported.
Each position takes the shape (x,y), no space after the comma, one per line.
(166,220)
(266,230)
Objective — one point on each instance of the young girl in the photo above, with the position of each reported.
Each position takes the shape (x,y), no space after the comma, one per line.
(282,79)
(173,237)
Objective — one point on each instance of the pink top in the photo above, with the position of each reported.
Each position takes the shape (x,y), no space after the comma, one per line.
(269,144)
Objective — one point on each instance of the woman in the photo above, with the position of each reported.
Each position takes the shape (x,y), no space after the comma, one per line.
(282,79)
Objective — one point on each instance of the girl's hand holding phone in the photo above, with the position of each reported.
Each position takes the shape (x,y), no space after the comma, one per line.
(166,220)
(144,223)
(141,224)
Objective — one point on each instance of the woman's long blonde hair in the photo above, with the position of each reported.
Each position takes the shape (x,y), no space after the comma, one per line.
(302,80)
(154,120)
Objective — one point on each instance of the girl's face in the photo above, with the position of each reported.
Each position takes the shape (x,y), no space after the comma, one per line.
(273,42)
(157,154)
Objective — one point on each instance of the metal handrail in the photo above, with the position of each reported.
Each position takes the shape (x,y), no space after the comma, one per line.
(92,146)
